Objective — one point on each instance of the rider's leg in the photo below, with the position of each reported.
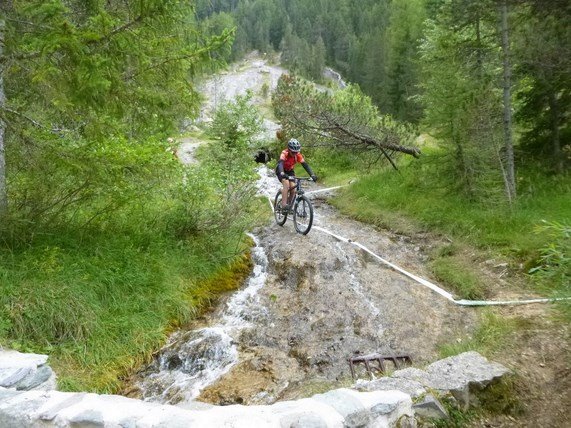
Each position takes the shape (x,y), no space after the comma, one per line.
(285,187)
(292,192)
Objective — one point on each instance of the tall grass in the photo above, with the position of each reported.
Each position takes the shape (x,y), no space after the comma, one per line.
(494,334)
(100,297)
(100,304)
(422,191)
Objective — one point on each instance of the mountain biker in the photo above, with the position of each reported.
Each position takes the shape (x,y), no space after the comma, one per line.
(284,170)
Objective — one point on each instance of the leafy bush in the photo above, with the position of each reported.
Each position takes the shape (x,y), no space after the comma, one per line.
(236,123)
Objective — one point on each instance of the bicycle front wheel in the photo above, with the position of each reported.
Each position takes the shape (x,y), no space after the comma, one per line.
(303,215)
(281,216)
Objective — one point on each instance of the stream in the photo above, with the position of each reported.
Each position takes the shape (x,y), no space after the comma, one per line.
(310,303)
(192,360)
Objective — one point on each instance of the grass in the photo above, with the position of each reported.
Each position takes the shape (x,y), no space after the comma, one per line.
(494,333)
(464,282)
(512,231)
(100,305)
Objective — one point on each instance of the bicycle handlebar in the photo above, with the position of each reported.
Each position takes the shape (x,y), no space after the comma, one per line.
(294,178)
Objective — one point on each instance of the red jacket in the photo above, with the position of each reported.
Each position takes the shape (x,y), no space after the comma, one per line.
(290,159)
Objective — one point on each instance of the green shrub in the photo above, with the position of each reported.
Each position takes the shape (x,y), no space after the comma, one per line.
(100,286)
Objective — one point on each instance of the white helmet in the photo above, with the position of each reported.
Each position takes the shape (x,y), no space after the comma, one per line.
(294,145)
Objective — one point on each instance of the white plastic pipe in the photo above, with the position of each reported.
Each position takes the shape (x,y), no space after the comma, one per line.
(433,287)
(311,192)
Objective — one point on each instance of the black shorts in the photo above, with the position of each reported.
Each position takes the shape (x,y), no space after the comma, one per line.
(288,173)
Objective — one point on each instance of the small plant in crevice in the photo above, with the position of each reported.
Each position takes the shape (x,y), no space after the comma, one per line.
(457,418)
(498,398)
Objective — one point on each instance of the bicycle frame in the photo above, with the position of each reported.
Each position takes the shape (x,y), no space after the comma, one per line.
(298,188)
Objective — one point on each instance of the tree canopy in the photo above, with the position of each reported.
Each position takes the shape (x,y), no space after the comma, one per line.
(489,78)
(343,120)
(87,87)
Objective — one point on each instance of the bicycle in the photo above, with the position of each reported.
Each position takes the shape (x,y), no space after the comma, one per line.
(302,207)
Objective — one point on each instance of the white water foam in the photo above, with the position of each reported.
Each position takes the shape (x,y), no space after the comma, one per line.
(196,359)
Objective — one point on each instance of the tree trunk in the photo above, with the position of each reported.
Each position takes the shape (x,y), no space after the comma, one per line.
(3,189)
(479,53)
(555,135)
(508,139)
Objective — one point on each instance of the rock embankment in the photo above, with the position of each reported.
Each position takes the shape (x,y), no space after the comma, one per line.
(384,402)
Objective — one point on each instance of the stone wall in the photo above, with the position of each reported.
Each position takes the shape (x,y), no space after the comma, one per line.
(28,399)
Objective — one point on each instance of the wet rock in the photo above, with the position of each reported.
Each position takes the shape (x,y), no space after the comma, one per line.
(260,379)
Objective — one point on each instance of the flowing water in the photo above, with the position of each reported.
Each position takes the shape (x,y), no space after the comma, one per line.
(195,359)
(311,302)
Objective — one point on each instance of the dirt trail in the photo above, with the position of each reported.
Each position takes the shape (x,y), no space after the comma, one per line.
(325,301)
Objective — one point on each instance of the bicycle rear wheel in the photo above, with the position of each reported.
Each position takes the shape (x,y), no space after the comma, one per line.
(281,216)
(303,215)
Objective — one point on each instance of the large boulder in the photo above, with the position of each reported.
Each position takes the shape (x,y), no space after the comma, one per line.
(462,376)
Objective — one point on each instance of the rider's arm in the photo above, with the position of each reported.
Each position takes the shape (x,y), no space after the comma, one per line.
(307,168)
(281,168)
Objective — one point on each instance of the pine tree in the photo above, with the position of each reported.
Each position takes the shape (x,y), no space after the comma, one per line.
(89,79)
(542,45)
(404,32)
(461,98)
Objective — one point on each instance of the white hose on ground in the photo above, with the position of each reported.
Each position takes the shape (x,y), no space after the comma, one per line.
(311,192)
(433,287)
